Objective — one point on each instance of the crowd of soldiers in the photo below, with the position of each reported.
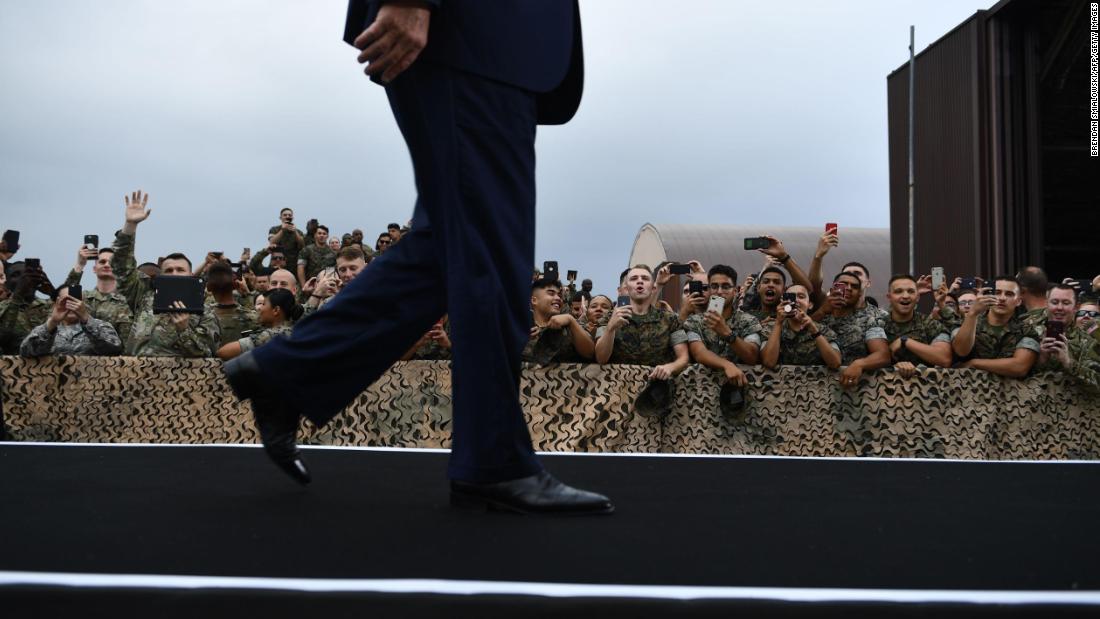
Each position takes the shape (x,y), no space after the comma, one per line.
(1012,326)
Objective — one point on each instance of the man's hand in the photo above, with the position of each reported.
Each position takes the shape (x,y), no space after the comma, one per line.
(559,321)
(439,336)
(394,41)
(79,308)
(715,322)
(824,244)
(697,271)
(661,372)
(663,275)
(982,304)
(135,207)
(775,249)
(924,284)
(1058,348)
(849,376)
(83,255)
(180,320)
(619,317)
(735,375)
(905,369)
(798,318)
(57,315)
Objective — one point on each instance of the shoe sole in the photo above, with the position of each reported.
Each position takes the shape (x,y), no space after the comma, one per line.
(471,502)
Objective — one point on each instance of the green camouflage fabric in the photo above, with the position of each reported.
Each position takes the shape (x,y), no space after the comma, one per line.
(289,244)
(233,321)
(253,341)
(950,318)
(108,306)
(18,318)
(648,339)
(154,335)
(96,337)
(855,330)
(920,328)
(742,324)
(552,346)
(1084,351)
(992,342)
(760,314)
(315,258)
(798,347)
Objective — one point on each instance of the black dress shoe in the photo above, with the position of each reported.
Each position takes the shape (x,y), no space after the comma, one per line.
(537,494)
(276,421)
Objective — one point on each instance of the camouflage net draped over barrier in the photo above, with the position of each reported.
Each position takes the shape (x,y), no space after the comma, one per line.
(791,411)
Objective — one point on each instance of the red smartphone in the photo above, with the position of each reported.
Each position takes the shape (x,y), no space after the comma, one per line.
(832,229)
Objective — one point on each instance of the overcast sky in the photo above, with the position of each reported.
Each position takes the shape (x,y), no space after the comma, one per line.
(719,112)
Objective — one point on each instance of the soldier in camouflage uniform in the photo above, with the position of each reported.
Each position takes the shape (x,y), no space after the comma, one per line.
(288,238)
(555,337)
(793,338)
(233,317)
(860,333)
(721,340)
(158,335)
(316,256)
(71,330)
(769,291)
(275,316)
(1073,353)
(641,334)
(22,311)
(599,312)
(991,337)
(104,301)
(915,339)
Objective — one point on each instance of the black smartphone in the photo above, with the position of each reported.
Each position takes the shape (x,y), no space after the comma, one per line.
(679,269)
(33,263)
(1082,284)
(790,302)
(622,300)
(1055,328)
(550,270)
(217,254)
(91,241)
(968,283)
(76,292)
(757,242)
(11,239)
(695,287)
(571,276)
(171,288)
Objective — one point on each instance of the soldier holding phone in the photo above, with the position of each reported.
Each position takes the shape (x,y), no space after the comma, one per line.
(723,336)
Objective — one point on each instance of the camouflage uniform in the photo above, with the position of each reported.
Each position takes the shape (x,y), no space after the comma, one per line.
(154,335)
(855,330)
(647,339)
(552,346)
(742,324)
(950,318)
(798,347)
(253,341)
(315,258)
(992,342)
(96,337)
(111,307)
(233,321)
(17,318)
(761,314)
(920,328)
(1084,351)
(289,244)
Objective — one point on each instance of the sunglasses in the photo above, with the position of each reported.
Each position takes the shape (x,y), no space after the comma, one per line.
(1088,314)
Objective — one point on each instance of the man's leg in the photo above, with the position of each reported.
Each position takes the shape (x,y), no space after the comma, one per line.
(336,353)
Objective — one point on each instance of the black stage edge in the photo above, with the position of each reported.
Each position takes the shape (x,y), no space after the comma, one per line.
(681,521)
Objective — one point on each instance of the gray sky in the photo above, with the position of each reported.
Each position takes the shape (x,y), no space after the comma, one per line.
(225,111)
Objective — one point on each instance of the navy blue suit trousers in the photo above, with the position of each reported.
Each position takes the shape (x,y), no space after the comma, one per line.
(470,254)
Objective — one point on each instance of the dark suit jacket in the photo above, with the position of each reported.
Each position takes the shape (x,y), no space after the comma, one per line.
(532,44)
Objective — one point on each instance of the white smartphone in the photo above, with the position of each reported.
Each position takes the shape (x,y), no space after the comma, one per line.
(938,278)
(717,304)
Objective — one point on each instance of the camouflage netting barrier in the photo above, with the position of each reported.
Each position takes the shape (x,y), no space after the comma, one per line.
(791,411)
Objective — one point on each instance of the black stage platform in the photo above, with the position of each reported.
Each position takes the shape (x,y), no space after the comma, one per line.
(110,530)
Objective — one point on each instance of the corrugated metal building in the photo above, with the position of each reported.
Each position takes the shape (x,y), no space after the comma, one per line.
(1001,155)
(725,244)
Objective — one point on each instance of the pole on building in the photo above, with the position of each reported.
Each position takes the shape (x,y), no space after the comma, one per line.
(912,82)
